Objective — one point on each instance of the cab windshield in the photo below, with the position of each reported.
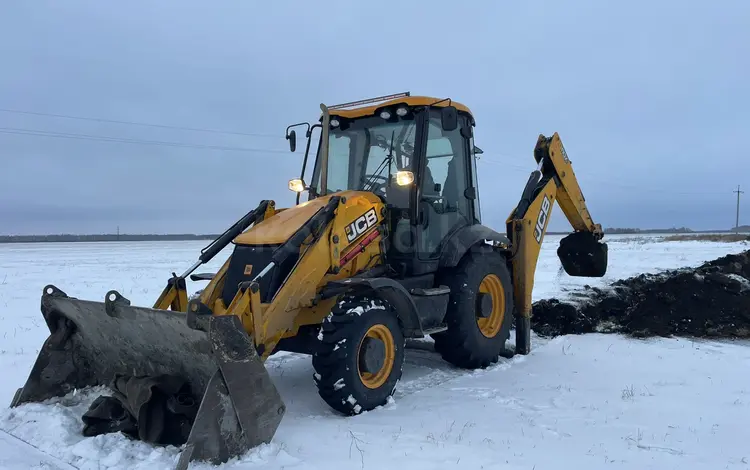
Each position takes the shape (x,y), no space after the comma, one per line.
(365,153)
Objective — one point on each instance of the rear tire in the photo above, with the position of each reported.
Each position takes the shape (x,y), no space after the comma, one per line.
(472,342)
(357,325)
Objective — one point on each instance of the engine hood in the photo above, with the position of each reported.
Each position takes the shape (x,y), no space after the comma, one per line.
(280,227)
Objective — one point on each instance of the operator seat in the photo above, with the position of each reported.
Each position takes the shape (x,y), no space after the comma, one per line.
(453,207)
(451,188)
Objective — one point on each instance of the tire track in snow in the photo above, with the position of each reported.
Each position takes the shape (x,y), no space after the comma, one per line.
(423,369)
(16,453)
(292,374)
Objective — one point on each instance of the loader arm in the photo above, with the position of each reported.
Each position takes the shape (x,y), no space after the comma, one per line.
(275,296)
(580,253)
(174,295)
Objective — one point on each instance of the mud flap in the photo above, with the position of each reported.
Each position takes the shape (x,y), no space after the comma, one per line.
(92,342)
(582,255)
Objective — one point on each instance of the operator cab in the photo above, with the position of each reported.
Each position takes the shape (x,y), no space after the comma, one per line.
(417,154)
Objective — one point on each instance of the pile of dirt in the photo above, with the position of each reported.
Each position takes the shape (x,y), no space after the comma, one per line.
(711,300)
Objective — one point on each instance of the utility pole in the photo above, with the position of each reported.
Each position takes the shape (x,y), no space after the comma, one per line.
(737,220)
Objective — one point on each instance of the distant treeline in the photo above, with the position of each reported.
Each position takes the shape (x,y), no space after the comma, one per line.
(682,230)
(102,238)
(191,236)
(616,230)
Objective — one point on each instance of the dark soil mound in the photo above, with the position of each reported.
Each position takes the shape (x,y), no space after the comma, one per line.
(712,300)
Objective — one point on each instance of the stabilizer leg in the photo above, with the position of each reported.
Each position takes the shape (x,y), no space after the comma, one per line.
(523,335)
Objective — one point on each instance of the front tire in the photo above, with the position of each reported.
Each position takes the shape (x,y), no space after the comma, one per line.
(480,283)
(360,355)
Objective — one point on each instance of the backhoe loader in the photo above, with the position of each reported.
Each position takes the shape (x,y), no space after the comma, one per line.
(388,246)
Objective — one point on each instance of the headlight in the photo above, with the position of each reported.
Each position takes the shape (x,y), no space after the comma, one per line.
(402,111)
(385,115)
(296,185)
(334,122)
(404,178)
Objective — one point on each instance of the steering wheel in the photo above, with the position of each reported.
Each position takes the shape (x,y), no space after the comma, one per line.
(377,187)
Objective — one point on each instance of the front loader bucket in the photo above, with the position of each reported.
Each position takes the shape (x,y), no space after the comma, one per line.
(92,342)
(583,255)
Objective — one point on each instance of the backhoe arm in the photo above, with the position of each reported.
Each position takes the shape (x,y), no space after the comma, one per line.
(556,165)
(580,253)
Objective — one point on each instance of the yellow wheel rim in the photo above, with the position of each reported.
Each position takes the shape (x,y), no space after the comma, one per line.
(377,379)
(490,326)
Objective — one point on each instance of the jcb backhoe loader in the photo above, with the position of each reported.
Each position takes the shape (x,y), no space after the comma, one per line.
(388,246)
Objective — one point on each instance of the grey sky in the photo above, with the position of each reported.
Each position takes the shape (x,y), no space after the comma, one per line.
(651,100)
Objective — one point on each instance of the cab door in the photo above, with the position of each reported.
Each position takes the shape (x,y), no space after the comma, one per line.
(444,204)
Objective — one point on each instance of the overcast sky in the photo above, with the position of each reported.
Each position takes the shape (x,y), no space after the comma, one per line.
(651,99)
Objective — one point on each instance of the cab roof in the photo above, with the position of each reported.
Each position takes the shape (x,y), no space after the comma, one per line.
(365,108)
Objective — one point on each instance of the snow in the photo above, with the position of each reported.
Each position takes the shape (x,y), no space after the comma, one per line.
(339,384)
(18,455)
(592,401)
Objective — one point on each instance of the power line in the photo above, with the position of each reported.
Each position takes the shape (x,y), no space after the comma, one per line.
(110,139)
(123,140)
(135,123)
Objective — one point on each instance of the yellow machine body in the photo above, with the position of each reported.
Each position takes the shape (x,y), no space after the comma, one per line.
(384,254)
(338,254)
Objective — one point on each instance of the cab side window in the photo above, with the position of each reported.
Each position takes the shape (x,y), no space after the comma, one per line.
(446,170)
(443,203)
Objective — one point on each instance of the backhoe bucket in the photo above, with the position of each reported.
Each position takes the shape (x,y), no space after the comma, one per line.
(583,255)
(92,343)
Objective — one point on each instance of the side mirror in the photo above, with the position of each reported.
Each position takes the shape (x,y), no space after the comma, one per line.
(449,118)
(292,138)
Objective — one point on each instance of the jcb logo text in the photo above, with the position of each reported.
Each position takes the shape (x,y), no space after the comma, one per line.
(360,226)
(541,220)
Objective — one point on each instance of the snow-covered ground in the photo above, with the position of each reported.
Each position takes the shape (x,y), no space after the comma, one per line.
(585,402)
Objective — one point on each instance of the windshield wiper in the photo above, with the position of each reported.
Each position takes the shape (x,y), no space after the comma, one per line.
(389,159)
